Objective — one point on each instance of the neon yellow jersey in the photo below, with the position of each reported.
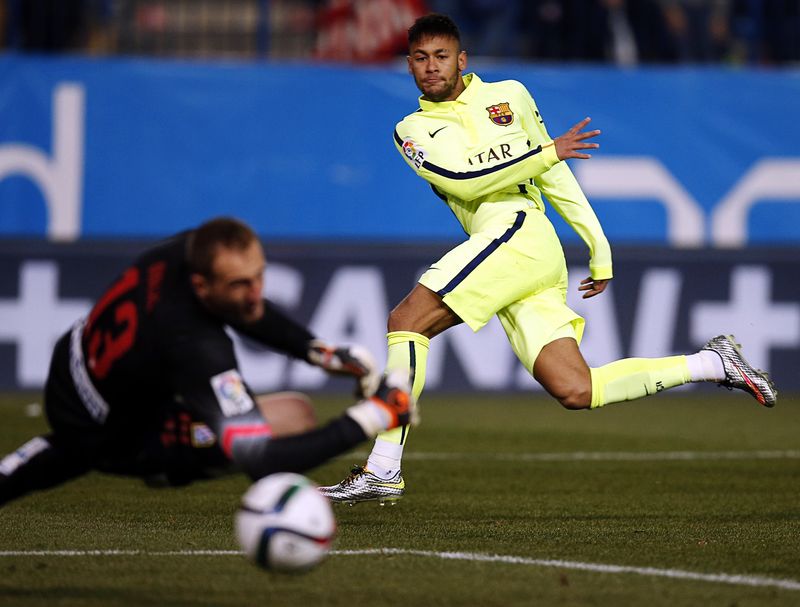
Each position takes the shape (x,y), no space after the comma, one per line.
(488,152)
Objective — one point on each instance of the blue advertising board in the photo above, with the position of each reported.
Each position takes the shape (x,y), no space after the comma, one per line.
(120,147)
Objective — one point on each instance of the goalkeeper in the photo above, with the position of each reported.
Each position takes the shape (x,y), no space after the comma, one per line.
(485,152)
(148,386)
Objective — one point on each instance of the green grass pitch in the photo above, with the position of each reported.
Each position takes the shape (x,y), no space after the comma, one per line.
(704,483)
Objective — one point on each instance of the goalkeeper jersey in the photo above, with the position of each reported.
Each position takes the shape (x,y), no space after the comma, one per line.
(488,152)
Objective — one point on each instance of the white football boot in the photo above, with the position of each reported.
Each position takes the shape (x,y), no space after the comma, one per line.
(738,372)
(363,486)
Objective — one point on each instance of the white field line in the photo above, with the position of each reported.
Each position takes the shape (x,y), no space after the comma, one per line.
(716,578)
(598,456)
(720,578)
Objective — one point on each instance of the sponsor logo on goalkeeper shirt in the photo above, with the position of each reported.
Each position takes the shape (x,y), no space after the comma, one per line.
(202,435)
(231,393)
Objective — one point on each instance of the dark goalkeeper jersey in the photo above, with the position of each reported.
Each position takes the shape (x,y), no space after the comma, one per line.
(148,343)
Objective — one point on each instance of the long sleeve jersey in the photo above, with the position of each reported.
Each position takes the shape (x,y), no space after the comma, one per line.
(149,343)
(488,152)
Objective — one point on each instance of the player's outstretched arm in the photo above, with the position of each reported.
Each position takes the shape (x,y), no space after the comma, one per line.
(570,144)
(258,454)
(468,181)
(565,195)
(352,360)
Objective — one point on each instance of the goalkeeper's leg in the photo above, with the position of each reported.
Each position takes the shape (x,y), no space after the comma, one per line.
(38,464)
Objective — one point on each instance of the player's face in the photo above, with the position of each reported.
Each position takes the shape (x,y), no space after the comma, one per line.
(233,291)
(436,64)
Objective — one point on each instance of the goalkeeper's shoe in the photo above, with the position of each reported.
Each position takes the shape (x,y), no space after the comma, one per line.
(738,372)
(364,486)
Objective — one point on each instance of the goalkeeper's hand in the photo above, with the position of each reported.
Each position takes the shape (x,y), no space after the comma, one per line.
(346,360)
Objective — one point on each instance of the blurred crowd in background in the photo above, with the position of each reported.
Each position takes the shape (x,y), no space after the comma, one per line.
(622,32)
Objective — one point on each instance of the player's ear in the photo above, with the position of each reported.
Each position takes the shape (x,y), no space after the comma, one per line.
(408,61)
(199,285)
(462,60)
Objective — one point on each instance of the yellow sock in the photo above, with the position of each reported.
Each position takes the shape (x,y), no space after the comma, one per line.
(407,350)
(633,378)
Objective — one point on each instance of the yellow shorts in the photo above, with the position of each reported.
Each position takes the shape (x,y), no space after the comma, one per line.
(516,271)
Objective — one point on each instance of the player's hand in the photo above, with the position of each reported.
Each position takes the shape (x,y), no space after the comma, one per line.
(346,360)
(592,287)
(569,144)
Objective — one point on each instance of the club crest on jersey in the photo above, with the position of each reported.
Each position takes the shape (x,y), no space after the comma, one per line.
(202,436)
(231,393)
(501,114)
(413,152)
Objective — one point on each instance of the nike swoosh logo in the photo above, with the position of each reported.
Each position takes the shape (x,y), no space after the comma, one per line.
(389,485)
(756,392)
(433,134)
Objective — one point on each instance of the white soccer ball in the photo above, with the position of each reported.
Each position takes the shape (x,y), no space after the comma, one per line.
(284,524)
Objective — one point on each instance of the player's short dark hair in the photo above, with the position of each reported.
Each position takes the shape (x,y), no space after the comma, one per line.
(204,241)
(432,25)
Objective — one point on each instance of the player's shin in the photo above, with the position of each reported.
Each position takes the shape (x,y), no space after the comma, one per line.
(633,378)
(380,480)
(407,351)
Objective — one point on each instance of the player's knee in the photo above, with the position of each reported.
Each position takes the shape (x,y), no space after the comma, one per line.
(422,311)
(576,397)
(306,416)
(397,321)
(406,317)
(288,412)
(573,393)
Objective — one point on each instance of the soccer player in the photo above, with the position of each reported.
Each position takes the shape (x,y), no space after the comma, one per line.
(147,385)
(484,150)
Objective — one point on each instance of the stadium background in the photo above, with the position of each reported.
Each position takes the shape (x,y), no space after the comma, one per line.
(124,121)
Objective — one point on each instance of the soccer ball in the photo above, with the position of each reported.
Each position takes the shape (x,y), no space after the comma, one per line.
(284,524)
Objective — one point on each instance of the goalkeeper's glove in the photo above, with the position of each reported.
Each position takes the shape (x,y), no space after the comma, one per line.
(391,406)
(346,360)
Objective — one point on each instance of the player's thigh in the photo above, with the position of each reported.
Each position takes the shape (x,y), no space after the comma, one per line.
(287,413)
(485,274)
(78,434)
(539,319)
(422,311)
